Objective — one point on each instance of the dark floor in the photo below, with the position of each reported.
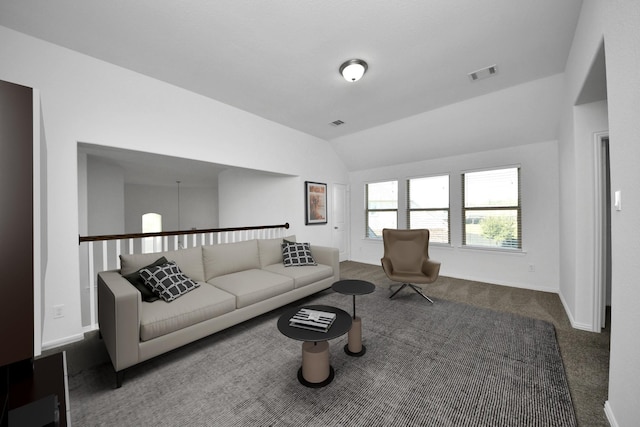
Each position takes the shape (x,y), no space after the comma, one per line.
(585,354)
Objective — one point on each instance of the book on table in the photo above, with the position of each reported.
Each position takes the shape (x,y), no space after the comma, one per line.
(314,320)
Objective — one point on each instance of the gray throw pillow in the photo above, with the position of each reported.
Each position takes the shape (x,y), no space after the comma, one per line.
(137,281)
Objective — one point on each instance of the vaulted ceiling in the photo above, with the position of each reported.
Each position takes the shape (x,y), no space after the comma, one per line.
(279,59)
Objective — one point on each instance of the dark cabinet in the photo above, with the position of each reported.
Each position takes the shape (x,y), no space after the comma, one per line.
(16,223)
(40,398)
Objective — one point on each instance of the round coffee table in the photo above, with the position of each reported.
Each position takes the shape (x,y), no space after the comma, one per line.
(354,346)
(316,371)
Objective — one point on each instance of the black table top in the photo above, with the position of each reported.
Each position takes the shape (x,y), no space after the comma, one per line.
(340,326)
(353,287)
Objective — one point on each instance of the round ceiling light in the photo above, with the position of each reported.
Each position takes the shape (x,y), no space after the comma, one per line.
(353,69)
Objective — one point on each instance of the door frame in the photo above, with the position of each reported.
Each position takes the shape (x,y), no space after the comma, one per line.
(602,230)
(346,216)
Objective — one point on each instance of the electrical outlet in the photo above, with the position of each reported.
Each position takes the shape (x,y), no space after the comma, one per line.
(532,268)
(58,311)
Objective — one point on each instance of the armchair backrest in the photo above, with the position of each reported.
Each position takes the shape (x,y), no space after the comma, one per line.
(406,248)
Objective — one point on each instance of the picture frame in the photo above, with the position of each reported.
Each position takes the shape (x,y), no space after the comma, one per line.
(315,202)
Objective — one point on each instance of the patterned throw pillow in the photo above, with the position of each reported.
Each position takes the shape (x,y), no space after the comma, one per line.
(167,281)
(295,254)
(134,278)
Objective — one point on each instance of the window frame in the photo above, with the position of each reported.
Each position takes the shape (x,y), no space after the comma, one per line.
(367,210)
(517,208)
(409,210)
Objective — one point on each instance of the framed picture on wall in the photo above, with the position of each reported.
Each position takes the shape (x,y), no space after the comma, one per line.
(315,202)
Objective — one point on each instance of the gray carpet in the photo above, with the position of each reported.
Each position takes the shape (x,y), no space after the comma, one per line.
(447,364)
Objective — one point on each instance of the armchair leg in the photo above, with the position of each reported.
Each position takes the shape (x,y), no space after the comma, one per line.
(418,290)
(415,288)
(398,290)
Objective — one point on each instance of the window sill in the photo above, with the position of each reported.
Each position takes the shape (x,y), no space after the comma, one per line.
(501,251)
(440,245)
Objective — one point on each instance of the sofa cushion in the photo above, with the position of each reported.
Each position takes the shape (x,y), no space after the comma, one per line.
(167,281)
(251,286)
(136,280)
(203,303)
(295,254)
(271,250)
(227,258)
(302,275)
(189,260)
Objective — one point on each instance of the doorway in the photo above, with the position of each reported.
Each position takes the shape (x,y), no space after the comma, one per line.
(603,230)
(339,235)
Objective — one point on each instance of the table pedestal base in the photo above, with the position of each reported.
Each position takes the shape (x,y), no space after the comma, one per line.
(354,346)
(316,370)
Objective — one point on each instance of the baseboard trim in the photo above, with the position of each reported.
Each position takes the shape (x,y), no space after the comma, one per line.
(62,341)
(576,325)
(609,413)
(490,281)
(553,290)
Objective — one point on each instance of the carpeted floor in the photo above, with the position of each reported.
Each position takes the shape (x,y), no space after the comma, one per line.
(446,364)
(585,354)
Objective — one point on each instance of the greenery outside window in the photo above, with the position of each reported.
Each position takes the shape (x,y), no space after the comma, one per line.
(428,206)
(492,209)
(381,208)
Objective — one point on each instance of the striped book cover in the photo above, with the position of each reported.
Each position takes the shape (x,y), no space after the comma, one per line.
(314,320)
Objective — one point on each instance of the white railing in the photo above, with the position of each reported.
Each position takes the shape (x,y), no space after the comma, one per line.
(101,253)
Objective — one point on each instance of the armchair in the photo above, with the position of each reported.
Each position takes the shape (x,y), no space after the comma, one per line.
(406,259)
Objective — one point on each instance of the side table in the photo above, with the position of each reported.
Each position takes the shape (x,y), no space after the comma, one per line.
(354,346)
(316,371)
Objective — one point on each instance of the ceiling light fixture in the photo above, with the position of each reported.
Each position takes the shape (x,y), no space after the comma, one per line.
(353,69)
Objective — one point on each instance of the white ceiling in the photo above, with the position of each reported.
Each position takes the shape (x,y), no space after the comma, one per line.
(155,169)
(142,168)
(279,59)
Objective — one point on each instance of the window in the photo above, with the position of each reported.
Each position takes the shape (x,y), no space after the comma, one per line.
(428,206)
(382,208)
(491,205)
(151,223)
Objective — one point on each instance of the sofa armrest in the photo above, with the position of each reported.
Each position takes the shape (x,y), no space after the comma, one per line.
(328,256)
(119,319)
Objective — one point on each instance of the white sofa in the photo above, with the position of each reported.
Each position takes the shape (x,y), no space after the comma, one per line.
(238,281)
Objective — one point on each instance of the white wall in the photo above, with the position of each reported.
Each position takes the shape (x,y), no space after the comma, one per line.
(519,115)
(589,119)
(90,101)
(616,22)
(198,206)
(248,196)
(577,213)
(539,187)
(105,197)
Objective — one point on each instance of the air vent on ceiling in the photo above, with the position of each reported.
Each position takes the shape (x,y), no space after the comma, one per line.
(336,123)
(483,73)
